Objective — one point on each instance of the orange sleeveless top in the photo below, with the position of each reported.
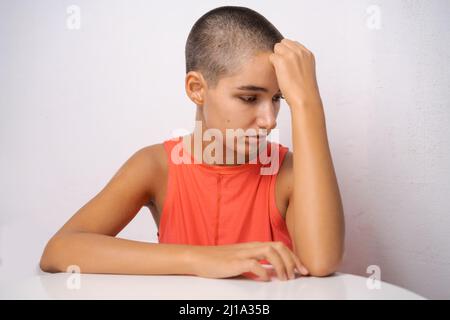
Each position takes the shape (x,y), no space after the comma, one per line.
(217,205)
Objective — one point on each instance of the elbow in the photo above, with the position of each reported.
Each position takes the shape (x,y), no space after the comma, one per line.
(322,270)
(323,262)
(46,266)
(49,258)
(324,267)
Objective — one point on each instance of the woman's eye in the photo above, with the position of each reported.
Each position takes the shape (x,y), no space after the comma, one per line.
(248,99)
(253,99)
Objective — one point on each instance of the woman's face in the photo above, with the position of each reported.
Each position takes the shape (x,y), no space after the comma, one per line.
(249,99)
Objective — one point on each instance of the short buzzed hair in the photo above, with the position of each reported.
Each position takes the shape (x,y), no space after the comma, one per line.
(224,37)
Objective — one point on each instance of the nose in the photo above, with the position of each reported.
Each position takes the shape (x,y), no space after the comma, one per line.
(267,117)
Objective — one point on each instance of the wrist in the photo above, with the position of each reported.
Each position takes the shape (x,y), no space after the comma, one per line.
(306,103)
(307,111)
(192,259)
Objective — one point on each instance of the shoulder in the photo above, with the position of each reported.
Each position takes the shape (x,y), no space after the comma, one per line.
(146,166)
(151,155)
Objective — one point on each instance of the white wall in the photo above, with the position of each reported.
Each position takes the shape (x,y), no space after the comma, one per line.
(75,104)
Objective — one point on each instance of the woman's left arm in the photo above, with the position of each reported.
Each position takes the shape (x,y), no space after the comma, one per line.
(315,213)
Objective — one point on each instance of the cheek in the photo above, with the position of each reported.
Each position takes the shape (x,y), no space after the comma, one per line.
(218,119)
(211,114)
(228,114)
(238,122)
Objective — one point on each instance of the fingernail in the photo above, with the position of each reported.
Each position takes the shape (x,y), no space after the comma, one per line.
(304,270)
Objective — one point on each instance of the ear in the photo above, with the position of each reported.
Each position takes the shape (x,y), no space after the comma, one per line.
(195,87)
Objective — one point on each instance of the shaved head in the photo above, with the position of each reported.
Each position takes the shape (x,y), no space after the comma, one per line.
(224,38)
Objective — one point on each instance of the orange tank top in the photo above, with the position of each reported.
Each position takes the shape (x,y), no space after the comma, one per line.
(216,205)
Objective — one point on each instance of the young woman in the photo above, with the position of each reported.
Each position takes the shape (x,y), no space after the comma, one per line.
(218,217)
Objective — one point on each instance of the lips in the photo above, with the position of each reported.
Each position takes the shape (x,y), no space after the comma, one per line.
(255,138)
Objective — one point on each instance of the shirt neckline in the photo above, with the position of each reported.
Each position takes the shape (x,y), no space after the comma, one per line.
(226,169)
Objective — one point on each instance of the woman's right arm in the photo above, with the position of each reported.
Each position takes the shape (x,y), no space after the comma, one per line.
(98,253)
(88,239)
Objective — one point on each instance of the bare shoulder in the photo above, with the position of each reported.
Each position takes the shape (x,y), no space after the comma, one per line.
(151,163)
(284,184)
(152,155)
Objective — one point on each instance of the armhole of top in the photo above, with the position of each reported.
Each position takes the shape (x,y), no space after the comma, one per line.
(272,190)
(282,232)
(168,145)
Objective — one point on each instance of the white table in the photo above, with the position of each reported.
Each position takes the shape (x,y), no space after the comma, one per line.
(99,286)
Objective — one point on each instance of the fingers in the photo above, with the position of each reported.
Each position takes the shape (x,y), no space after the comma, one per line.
(282,48)
(291,261)
(277,261)
(290,44)
(279,255)
(288,259)
(288,47)
(299,266)
(294,45)
(268,252)
(260,271)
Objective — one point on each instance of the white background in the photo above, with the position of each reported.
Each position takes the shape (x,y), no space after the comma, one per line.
(75,104)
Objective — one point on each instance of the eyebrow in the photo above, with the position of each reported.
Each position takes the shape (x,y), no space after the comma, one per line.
(254,88)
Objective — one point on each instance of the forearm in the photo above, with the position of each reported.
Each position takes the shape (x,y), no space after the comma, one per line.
(96,253)
(318,218)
